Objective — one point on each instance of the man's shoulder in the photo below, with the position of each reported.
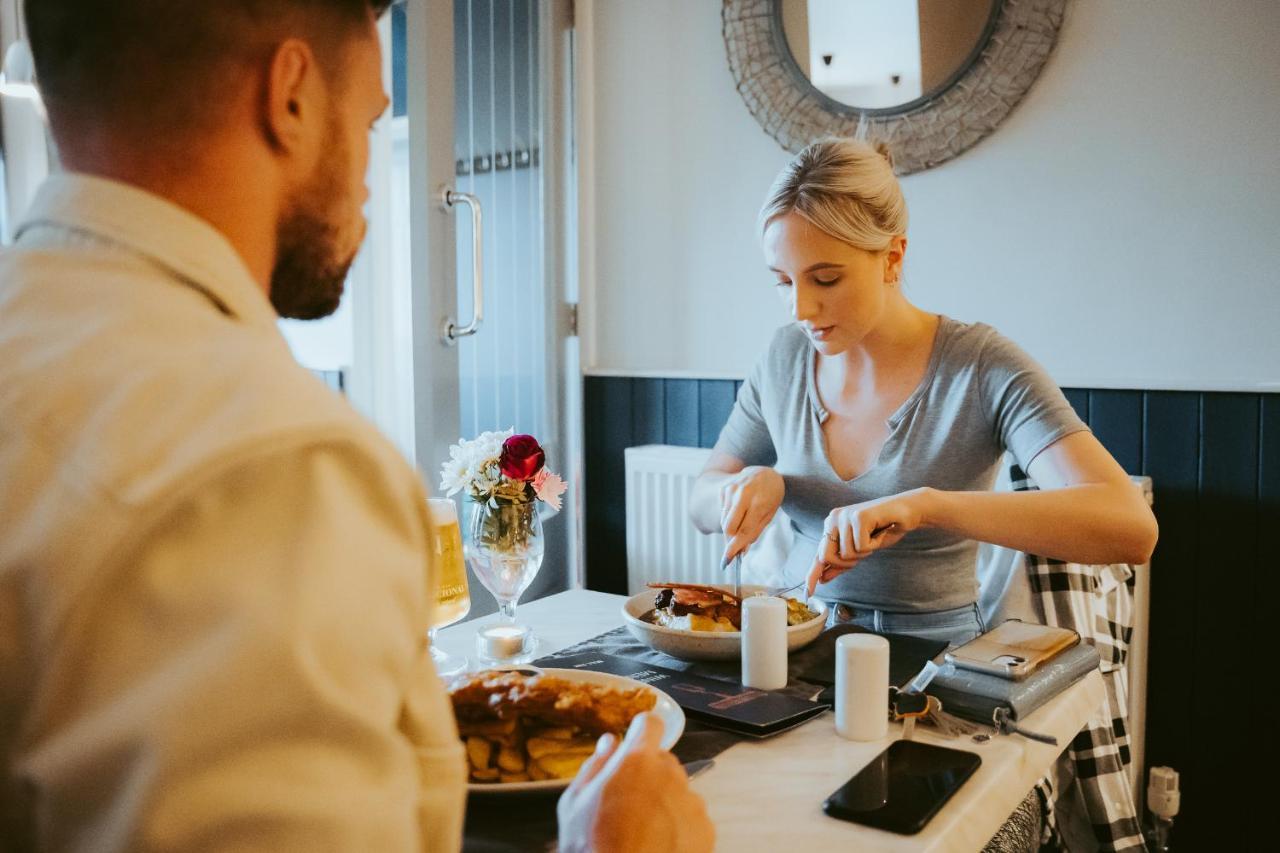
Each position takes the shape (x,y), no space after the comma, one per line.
(231,400)
(134,388)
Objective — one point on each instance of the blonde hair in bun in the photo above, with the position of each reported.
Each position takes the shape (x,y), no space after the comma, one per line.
(846,188)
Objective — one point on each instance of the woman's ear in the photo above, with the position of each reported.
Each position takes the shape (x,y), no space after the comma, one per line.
(893,259)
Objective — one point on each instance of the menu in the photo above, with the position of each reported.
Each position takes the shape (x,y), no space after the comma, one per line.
(723,704)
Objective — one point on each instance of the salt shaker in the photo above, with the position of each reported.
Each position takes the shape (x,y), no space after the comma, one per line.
(764,643)
(862,687)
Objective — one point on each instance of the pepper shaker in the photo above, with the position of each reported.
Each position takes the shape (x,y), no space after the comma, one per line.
(862,687)
(764,643)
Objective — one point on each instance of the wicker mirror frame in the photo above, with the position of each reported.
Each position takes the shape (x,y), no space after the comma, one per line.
(921,134)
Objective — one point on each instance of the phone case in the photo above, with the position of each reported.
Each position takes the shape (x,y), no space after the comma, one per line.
(1013,649)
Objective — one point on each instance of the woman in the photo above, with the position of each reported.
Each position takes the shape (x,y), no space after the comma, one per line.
(879,426)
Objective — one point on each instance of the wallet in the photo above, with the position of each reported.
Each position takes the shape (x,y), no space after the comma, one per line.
(977,696)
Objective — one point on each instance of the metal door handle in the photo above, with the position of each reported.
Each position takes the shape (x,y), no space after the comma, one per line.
(452,331)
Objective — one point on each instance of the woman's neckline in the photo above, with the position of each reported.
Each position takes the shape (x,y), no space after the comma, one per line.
(894,420)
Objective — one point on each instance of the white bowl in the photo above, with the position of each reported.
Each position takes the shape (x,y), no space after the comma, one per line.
(709,645)
(666,709)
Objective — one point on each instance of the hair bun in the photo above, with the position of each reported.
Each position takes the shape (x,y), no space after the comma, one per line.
(882,148)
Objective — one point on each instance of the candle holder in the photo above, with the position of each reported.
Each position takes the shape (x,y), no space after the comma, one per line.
(504,642)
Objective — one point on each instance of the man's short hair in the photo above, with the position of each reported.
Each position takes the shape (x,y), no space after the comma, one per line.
(159,64)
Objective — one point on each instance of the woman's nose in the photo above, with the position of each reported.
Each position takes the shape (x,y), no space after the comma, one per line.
(804,305)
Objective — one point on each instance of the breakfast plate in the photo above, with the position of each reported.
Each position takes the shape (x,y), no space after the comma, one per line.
(539,746)
(694,645)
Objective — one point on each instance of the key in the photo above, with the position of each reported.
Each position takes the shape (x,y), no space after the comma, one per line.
(948,725)
(908,707)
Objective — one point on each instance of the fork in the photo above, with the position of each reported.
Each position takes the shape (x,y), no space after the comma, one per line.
(783,590)
(736,563)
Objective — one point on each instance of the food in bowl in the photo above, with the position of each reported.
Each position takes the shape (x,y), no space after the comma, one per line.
(521,727)
(701,607)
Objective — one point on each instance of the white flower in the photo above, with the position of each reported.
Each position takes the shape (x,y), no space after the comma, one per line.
(472,465)
(454,476)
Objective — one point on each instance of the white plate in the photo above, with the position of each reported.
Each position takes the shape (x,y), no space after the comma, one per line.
(666,708)
(709,645)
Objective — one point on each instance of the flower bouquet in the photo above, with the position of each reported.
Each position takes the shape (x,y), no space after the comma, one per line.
(504,475)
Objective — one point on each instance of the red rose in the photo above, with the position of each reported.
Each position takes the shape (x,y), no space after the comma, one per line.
(521,457)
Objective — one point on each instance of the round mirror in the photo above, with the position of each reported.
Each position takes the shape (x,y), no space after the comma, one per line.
(884,55)
(930,78)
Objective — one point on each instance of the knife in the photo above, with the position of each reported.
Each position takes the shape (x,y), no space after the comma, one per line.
(736,565)
(693,768)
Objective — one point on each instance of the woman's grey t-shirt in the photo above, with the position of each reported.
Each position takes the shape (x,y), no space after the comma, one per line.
(980,395)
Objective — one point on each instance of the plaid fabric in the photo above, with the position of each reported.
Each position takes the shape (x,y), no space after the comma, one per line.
(1097,603)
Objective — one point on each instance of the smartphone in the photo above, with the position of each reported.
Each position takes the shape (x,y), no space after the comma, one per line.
(1013,649)
(903,787)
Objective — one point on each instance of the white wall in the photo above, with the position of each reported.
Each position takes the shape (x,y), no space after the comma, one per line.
(1122,224)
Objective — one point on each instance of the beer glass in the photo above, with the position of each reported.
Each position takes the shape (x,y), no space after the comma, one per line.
(451,598)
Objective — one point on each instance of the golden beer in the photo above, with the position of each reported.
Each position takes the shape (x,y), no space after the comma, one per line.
(452,598)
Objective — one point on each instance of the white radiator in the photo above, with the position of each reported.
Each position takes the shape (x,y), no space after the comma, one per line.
(662,543)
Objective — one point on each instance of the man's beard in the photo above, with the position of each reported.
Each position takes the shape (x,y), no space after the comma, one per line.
(309,275)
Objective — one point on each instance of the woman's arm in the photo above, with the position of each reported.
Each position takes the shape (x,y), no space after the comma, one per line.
(704,500)
(1088,511)
(737,498)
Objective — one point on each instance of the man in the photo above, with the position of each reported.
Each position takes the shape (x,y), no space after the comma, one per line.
(212,571)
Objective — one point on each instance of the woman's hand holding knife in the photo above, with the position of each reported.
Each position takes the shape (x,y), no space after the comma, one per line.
(851,533)
(748,502)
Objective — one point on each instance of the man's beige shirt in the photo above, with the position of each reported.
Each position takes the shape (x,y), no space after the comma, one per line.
(212,570)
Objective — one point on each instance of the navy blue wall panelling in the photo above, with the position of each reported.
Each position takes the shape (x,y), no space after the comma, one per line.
(1226,560)
(608,415)
(1079,400)
(681,412)
(715,401)
(1172,460)
(648,401)
(1266,588)
(1116,419)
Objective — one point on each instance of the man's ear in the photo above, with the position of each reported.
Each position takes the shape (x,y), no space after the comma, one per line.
(292,94)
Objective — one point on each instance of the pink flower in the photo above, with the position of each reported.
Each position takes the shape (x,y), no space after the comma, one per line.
(549,487)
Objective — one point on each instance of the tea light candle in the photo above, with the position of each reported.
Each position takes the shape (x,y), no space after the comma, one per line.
(502,642)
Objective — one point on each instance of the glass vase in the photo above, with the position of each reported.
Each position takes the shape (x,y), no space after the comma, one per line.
(504,547)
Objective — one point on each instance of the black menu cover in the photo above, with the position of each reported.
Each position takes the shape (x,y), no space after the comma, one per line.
(723,704)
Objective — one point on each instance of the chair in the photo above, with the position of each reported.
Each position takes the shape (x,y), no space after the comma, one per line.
(1091,784)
